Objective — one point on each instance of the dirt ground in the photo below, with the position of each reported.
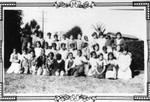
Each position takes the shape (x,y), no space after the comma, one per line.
(30,84)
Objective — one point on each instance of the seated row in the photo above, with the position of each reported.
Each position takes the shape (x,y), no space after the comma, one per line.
(96,66)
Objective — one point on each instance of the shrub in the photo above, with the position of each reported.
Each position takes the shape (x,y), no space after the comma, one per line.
(137,50)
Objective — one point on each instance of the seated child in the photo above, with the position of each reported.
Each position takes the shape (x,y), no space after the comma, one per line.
(100,70)
(59,65)
(41,64)
(79,64)
(111,66)
(50,63)
(32,63)
(24,62)
(93,64)
(68,64)
(15,65)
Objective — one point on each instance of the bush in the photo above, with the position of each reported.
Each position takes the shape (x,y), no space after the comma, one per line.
(137,50)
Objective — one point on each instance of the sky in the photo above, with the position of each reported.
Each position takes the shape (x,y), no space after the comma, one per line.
(63,19)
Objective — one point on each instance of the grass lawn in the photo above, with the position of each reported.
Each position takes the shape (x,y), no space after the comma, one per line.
(30,84)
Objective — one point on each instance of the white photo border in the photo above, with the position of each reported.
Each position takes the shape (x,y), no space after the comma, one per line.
(84,5)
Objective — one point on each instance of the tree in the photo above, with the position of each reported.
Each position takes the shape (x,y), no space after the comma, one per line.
(74,31)
(12,29)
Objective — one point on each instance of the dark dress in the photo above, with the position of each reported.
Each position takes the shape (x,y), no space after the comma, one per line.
(59,66)
(50,66)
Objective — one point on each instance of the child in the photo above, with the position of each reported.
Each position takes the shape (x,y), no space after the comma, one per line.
(38,49)
(63,40)
(63,51)
(101,41)
(59,65)
(95,40)
(71,41)
(68,64)
(15,65)
(29,47)
(40,38)
(46,48)
(117,51)
(54,49)
(32,63)
(49,39)
(93,64)
(100,71)
(96,48)
(111,66)
(56,41)
(86,50)
(86,40)
(73,49)
(119,40)
(50,63)
(79,64)
(124,62)
(41,64)
(24,61)
(105,53)
(79,42)
(108,43)
(34,38)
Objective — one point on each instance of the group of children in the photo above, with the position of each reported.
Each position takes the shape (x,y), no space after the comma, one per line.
(103,57)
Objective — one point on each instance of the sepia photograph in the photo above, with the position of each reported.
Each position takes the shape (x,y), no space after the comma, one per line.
(74,47)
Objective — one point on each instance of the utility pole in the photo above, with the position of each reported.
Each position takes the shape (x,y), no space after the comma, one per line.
(43,21)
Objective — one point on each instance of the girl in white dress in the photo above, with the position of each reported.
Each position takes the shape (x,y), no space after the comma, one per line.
(38,49)
(117,51)
(111,66)
(93,64)
(15,63)
(124,62)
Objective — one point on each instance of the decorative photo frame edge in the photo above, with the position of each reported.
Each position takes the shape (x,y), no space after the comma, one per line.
(84,5)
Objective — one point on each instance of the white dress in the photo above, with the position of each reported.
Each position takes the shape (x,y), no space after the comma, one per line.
(124,71)
(93,63)
(111,73)
(15,65)
(37,51)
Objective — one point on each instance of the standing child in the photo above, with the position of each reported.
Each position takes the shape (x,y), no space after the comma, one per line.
(124,62)
(54,50)
(79,42)
(59,65)
(71,41)
(117,51)
(73,49)
(111,66)
(63,51)
(15,65)
(57,42)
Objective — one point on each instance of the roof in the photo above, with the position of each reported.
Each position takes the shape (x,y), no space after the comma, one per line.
(124,35)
